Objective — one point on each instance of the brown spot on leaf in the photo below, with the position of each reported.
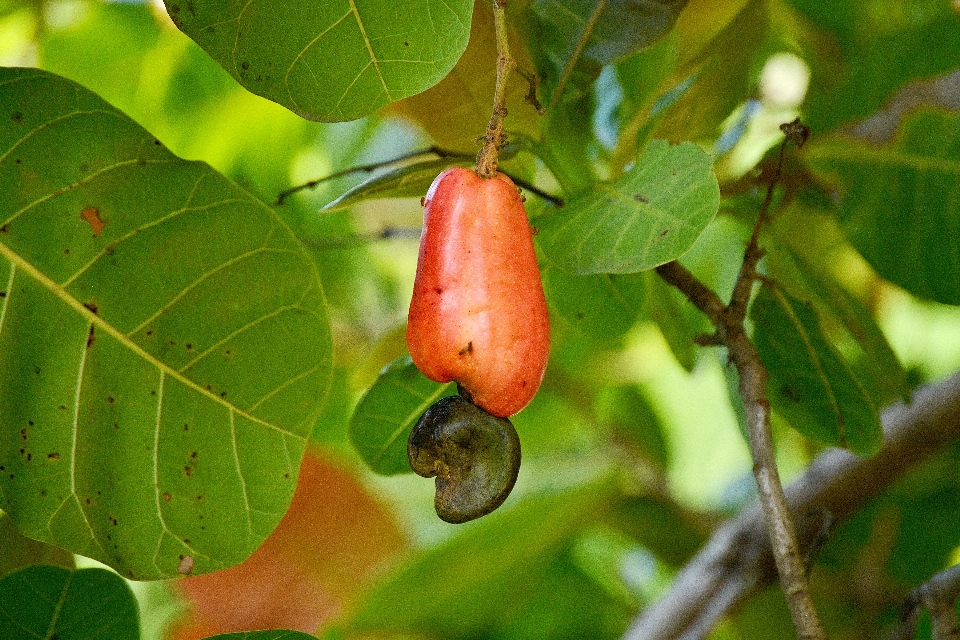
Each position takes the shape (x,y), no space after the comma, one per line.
(640,198)
(186,565)
(92,306)
(17,116)
(53,456)
(92,216)
(188,471)
(167,497)
(91,337)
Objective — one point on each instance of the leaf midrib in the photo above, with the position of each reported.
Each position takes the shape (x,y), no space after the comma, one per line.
(101,324)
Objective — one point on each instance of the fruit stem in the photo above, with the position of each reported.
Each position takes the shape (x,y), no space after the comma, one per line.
(494,139)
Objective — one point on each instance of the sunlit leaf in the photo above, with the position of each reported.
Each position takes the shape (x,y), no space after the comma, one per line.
(334,60)
(381,424)
(710,85)
(900,204)
(408,181)
(160,369)
(651,215)
(44,601)
(456,110)
(809,383)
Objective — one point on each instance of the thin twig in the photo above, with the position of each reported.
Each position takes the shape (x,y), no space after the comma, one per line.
(531,97)
(366,168)
(728,320)
(938,595)
(493,141)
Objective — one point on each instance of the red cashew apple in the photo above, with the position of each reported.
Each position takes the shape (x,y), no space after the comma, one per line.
(478,314)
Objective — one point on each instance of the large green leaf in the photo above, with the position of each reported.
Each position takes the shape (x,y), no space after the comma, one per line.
(164,342)
(900,204)
(861,51)
(651,215)
(333,60)
(810,384)
(49,602)
(880,370)
(382,421)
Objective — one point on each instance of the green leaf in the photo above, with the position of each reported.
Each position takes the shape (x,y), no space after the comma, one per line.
(861,51)
(281,634)
(678,320)
(334,60)
(44,601)
(900,204)
(881,372)
(381,424)
(809,383)
(579,37)
(651,215)
(708,87)
(625,409)
(603,306)
(464,582)
(408,181)
(164,342)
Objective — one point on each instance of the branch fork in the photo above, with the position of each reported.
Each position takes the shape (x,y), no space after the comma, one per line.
(728,321)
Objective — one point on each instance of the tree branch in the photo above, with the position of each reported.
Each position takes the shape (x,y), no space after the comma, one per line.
(938,595)
(728,320)
(738,560)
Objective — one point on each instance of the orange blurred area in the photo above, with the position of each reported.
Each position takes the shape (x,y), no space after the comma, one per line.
(333,540)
